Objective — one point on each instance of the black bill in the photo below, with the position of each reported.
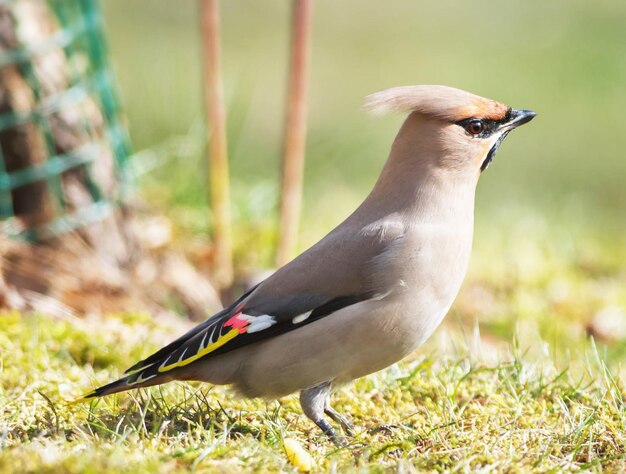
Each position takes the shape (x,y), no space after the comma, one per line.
(515,118)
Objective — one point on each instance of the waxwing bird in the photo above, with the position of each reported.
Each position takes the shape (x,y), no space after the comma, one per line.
(371,291)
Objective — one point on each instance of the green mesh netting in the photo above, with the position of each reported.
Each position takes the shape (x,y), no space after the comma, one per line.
(62,108)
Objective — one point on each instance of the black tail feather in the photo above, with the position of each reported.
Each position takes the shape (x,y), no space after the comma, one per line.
(144,378)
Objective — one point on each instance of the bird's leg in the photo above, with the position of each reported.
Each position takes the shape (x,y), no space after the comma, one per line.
(313,402)
(346,425)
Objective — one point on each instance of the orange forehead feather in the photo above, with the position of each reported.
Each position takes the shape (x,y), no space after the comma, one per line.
(489,109)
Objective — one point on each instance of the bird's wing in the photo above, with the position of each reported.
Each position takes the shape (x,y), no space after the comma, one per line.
(331,275)
(174,345)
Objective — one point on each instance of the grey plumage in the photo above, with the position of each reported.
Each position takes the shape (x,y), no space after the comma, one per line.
(371,291)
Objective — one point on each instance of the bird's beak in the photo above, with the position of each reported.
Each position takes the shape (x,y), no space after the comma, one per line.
(517,118)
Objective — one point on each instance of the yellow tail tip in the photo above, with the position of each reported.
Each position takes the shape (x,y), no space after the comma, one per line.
(82,398)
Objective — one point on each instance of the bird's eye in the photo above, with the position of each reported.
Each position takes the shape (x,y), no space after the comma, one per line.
(475,127)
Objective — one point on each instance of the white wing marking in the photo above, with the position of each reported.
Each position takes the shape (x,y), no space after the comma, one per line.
(165,362)
(141,379)
(203,345)
(301,317)
(259,323)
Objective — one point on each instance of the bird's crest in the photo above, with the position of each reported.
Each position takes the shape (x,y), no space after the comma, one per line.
(446,103)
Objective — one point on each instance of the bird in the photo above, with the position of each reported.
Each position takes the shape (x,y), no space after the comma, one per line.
(373,289)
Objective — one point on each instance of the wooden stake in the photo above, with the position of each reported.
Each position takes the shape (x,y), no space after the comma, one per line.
(218,154)
(295,132)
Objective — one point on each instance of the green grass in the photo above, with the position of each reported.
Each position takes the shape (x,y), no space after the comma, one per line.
(442,410)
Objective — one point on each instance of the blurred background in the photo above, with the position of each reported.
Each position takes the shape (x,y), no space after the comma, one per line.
(549,261)
(551,210)
(564,59)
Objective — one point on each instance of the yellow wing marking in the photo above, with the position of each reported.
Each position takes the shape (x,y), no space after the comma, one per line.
(201,353)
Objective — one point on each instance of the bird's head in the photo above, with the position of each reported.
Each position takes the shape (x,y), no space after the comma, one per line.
(448,128)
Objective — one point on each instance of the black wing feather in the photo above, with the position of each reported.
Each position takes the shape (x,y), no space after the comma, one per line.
(285,324)
(159,355)
(211,330)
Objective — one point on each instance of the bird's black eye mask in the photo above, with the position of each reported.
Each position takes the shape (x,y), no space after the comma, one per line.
(483,128)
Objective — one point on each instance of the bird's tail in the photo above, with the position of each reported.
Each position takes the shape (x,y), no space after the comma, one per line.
(141,378)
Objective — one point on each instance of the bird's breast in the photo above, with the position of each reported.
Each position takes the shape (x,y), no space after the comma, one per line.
(425,272)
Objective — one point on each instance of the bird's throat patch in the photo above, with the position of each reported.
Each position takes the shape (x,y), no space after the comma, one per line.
(492,153)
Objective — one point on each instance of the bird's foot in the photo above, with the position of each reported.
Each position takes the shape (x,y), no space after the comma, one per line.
(315,403)
(337,417)
(328,430)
